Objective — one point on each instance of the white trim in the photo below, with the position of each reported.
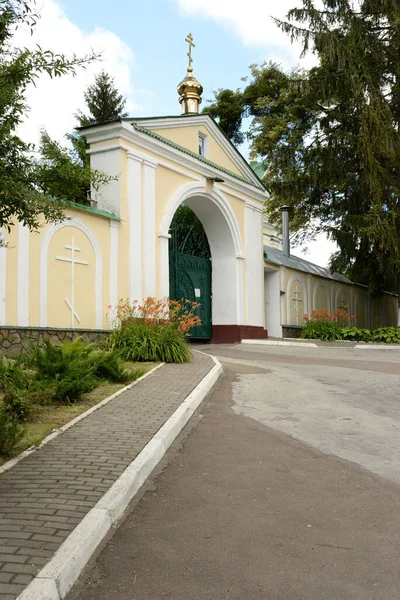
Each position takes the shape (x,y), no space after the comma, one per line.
(164,260)
(114,231)
(149,229)
(208,122)
(317,286)
(23,276)
(127,133)
(44,250)
(198,189)
(135,227)
(3,279)
(204,137)
(141,155)
(240,290)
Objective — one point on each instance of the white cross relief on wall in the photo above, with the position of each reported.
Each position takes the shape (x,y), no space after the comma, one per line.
(70,302)
(297,300)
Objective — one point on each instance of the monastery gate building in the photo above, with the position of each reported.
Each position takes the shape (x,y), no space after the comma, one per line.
(68,274)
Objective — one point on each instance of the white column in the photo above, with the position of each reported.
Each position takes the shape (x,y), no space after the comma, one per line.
(258,267)
(283,295)
(309,295)
(149,228)
(164,264)
(135,226)
(240,289)
(23,276)
(250,266)
(3,279)
(114,229)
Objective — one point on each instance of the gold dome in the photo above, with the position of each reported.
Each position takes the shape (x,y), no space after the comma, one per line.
(190,89)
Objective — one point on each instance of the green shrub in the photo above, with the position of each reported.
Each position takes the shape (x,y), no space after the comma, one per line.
(11,433)
(321,330)
(17,404)
(388,335)
(356,334)
(140,342)
(74,368)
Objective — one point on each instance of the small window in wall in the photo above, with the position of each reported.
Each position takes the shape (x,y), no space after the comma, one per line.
(202,144)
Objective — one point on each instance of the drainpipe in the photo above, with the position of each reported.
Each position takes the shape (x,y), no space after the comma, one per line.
(285,230)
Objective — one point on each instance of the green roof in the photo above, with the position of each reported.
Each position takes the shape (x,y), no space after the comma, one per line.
(258,168)
(202,159)
(89,209)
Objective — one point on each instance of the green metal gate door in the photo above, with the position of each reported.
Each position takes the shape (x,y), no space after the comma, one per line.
(190,278)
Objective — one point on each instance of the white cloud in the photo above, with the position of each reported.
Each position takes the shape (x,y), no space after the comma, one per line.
(53,102)
(318,251)
(252,23)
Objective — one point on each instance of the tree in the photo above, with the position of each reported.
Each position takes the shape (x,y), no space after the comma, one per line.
(20,193)
(104,102)
(330,137)
(62,175)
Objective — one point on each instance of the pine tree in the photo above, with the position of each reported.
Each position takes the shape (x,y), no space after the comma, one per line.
(330,137)
(104,102)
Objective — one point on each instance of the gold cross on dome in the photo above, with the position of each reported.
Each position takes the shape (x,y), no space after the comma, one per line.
(189,40)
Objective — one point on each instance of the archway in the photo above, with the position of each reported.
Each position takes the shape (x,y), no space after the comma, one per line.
(227,260)
(190,267)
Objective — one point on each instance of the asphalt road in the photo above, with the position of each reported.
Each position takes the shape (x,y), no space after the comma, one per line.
(286,488)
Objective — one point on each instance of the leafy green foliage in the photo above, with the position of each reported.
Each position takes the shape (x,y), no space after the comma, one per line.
(10,433)
(321,330)
(228,110)
(20,191)
(58,374)
(330,137)
(355,334)
(62,175)
(329,331)
(140,342)
(73,369)
(388,335)
(187,234)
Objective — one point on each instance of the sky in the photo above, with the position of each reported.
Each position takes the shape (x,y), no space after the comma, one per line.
(142,45)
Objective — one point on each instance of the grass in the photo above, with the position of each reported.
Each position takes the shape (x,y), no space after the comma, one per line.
(52,416)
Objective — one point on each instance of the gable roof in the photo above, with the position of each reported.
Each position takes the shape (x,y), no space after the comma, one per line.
(277,257)
(147,124)
(202,159)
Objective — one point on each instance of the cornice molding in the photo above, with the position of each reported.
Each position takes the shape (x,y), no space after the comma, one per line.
(124,132)
(213,129)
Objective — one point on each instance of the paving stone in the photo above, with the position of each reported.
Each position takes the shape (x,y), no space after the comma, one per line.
(46,495)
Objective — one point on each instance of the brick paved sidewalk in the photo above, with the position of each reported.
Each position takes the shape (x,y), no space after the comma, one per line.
(46,495)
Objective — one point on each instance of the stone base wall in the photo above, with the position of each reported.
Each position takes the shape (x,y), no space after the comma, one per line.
(16,340)
(291,331)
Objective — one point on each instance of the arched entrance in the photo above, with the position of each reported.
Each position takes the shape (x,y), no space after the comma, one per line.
(227,260)
(190,267)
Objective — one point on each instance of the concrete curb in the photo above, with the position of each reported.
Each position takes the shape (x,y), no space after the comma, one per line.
(58,576)
(378,346)
(279,343)
(335,345)
(56,432)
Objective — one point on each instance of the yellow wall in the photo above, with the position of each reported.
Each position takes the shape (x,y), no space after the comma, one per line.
(59,274)
(60,277)
(188,137)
